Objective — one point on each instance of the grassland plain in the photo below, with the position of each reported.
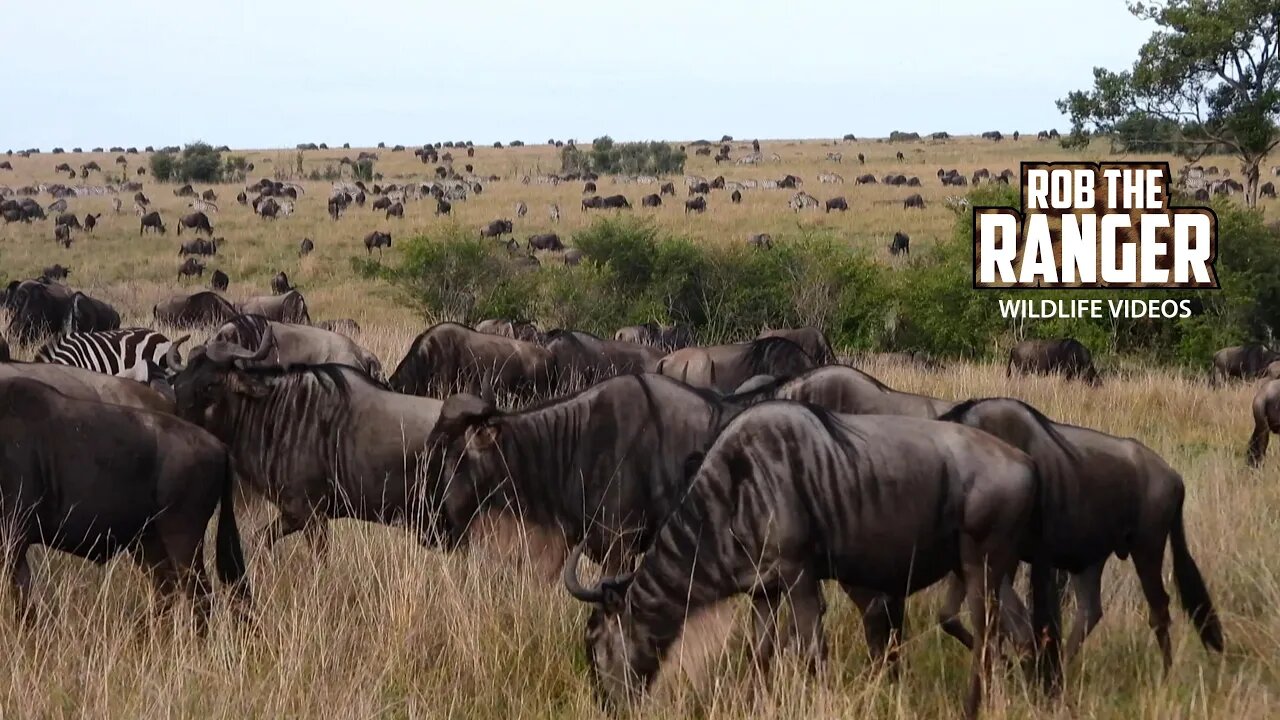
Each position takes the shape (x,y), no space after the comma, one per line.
(386,628)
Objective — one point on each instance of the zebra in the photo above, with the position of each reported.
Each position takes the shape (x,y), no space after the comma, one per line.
(116,204)
(835,157)
(521,209)
(132,353)
(203,206)
(830,178)
(555,212)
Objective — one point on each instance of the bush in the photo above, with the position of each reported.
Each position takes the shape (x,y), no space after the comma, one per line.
(605,156)
(197,161)
(163,166)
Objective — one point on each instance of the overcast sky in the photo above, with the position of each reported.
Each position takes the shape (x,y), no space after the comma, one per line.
(257,74)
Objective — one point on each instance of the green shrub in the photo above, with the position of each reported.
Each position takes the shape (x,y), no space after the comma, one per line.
(606,156)
(163,166)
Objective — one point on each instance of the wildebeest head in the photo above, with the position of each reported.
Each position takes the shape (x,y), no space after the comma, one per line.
(620,672)
(213,370)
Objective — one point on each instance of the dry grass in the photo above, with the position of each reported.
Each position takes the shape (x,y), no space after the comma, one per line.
(387,628)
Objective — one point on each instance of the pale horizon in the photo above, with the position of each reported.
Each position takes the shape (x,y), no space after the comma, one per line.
(148,72)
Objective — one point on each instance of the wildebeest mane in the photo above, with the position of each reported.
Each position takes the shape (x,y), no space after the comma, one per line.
(957,414)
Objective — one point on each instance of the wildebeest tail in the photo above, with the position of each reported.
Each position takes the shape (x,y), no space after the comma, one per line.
(230,561)
(1192,590)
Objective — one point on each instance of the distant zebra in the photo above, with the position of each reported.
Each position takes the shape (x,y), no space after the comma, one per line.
(126,353)
(835,157)
(521,209)
(555,212)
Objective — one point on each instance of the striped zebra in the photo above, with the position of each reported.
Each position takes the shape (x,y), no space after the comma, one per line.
(128,353)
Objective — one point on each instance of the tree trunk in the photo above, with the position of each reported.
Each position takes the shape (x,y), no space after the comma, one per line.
(1252,174)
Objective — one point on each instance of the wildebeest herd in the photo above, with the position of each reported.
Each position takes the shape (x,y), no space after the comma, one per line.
(690,473)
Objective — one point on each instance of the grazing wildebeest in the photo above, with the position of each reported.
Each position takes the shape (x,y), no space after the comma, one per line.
(592,202)
(517,329)
(588,187)
(219,281)
(197,221)
(306,247)
(200,246)
(151,221)
(290,307)
(376,239)
(913,201)
(1064,356)
(39,308)
(209,195)
(140,199)
(901,244)
(735,197)
(764,241)
(91,221)
(572,256)
(381,203)
(185,191)
(619,447)
(668,188)
(280,284)
(294,345)
(698,204)
(842,389)
(837,203)
(166,477)
(724,367)
(1241,361)
(198,310)
(354,449)
(1266,420)
(396,210)
(62,235)
(242,198)
(497,228)
(651,200)
(267,209)
(190,268)
(862,159)
(68,219)
(615,201)
(443,207)
(813,341)
(453,358)
(699,188)
(582,359)
(56,272)
(905,502)
(545,241)
(900,156)
(1268,189)
(1102,495)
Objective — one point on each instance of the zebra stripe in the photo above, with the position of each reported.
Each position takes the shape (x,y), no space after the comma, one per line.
(113,352)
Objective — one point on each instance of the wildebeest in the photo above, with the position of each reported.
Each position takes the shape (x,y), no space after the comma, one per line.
(1064,356)
(545,241)
(592,202)
(651,200)
(1266,420)
(199,246)
(615,201)
(668,188)
(396,210)
(340,459)
(166,477)
(39,308)
(904,502)
(293,345)
(619,447)
(497,228)
(724,367)
(305,247)
(836,203)
(813,341)
(845,390)
(219,281)
(517,329)
(197,310)
(735,197)
(583,358)
(1241,361)
(290,307)
(764,241)
(443,207)
(56,272)
(667,337)
(698,204)
(588,188)
(91,221)
(1102,495)
(62,235)
(453,358)
(68,219)
(151,221)
(913,201)
(376,239)
(280,283)
(901,244)
(190,268)
(572,256)
(381,203)
(196,221)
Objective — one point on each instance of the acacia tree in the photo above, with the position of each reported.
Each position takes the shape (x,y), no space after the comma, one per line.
(1210,69)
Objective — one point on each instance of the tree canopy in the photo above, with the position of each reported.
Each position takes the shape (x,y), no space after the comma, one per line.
(1209,72)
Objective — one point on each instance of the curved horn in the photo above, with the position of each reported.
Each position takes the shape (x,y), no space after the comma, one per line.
(573,585)
(172,357)
(487,395)
(223,352)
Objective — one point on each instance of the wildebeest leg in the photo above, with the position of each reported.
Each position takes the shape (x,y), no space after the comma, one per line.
(883,618)
(985,570)
(279,528)
(1147,560)
(807,608)
(949,614)
(20,576)
(1258,442)
(1087,587)
(765,606)
(152,554)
